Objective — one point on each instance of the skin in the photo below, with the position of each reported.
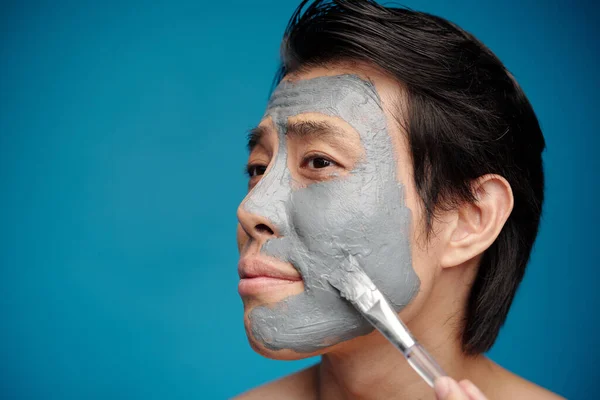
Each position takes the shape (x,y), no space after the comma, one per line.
(368,367)
(354,208)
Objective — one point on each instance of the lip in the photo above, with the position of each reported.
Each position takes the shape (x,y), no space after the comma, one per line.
(259,275)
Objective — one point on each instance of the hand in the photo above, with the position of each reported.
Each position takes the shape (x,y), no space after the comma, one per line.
(446,388)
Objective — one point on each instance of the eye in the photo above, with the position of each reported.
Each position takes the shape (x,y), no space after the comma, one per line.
(254,170)
(317,162)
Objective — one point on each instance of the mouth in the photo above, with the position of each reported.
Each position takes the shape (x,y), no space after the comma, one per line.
(259,275)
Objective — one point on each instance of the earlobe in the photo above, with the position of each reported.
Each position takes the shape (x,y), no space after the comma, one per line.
(477,225)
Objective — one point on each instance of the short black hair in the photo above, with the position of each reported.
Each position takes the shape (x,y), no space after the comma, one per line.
(467,117)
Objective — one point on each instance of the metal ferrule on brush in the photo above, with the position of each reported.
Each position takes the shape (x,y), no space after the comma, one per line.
(355,286)
(382,316)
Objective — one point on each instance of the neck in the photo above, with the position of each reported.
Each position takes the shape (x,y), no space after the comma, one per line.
(369,367)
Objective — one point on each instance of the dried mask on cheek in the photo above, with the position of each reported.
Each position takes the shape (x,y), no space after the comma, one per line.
(363,214)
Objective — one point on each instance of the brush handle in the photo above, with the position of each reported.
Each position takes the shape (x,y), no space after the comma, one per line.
(357,287)
(424,364)
(383,317)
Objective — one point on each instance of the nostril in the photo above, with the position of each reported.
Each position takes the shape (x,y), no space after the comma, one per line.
(262,228)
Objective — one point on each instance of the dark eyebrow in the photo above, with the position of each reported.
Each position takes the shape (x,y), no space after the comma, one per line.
(310,129)
(300,129)
(254,136)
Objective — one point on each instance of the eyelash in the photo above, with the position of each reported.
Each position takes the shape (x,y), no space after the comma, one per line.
(314,157)
(254,170)
(250,169)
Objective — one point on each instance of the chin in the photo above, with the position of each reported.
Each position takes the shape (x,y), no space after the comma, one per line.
(282,354)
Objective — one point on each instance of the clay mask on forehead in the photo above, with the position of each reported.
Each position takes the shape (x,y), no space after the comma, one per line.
(362,214)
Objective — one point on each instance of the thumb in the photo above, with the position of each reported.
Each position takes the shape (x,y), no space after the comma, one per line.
(446,388)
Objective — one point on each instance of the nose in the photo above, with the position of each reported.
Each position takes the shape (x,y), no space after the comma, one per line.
(255,225)
(262,214)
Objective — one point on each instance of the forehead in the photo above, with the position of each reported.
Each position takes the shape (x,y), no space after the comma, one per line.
(348,97)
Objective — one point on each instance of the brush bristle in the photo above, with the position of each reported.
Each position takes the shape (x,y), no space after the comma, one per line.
(353,283)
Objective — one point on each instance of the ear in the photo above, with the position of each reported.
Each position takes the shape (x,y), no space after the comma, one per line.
(476,225)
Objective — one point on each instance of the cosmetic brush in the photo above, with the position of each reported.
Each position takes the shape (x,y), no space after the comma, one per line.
(355,286)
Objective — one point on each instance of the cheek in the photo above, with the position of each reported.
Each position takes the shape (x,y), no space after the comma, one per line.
(366,217)
(348,212)
(325,215)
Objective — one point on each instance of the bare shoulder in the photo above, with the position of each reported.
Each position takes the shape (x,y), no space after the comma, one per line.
(506,385)
(301,385)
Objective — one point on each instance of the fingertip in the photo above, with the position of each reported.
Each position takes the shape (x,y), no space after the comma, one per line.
(465,383)
(472,390)
(442,387)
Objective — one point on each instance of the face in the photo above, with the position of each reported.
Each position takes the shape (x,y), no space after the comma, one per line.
(325,182)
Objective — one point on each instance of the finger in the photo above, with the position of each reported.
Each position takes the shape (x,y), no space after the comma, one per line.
(472,391)
(446,388)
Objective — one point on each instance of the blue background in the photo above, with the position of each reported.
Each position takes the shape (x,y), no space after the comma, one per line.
(122,145)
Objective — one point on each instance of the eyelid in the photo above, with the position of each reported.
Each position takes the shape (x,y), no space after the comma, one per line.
(248,167)
(314,155)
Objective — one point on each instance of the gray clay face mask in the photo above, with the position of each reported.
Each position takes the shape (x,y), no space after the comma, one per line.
(363,214)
